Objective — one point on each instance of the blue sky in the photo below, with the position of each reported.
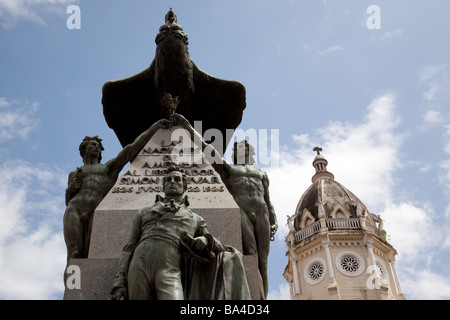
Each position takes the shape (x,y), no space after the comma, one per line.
(376,101)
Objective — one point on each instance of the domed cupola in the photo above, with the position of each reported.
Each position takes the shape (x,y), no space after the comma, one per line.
(326,197)
(336,248)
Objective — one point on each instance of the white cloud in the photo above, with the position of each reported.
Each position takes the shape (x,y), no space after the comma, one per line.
(411,230)
(425,167)
(301,139)
(425,285)
(17,119)
(428,72)
(447,138)
(330,49)
(32,250)
(362,156)
(281,293)
(392,34)
(365,156)
(287,184)
(430,95)
(436,80)
(33,266)
(444,177)
(14,11)
(433,118)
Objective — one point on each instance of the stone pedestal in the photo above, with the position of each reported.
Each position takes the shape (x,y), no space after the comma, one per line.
(137,188)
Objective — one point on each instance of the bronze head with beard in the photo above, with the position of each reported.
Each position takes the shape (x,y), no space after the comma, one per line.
(131,105)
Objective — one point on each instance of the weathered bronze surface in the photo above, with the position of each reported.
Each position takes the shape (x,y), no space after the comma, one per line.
(132,104)
(249,187)
(89,184)
(171,255)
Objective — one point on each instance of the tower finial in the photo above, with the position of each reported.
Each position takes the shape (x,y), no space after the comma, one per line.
(317,149)
(320,164)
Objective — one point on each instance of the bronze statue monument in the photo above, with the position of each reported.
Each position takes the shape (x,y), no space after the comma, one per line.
(89,184)
(170,254)
(249,187)
(168,243)
(132,104)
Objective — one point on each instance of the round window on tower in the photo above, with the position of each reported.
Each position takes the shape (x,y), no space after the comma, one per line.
(315,271)
(350,263)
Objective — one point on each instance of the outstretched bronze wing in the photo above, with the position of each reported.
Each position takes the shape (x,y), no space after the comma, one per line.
(131,105)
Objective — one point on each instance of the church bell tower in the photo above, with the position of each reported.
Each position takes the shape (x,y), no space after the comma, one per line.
(336,248)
